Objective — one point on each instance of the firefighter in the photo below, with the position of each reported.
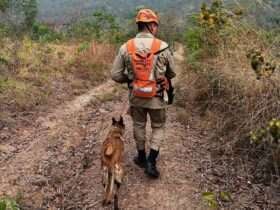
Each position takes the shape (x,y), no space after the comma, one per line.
(146,64)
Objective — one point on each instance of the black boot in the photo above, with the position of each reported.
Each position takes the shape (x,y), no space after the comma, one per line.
(151,168)
(141,159)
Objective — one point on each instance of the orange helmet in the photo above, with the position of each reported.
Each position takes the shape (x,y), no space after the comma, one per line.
(147,16)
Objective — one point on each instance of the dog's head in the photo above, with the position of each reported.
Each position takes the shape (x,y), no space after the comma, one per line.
(118,124)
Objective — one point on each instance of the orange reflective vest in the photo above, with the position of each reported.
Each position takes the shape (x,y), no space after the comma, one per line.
(144,84)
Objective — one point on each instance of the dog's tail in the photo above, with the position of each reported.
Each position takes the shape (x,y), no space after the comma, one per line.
(109,150)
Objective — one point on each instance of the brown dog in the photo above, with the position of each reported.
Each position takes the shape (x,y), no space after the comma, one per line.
(111,162)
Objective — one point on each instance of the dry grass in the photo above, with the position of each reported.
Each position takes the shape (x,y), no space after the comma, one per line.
(92,62)
(34,74)
(226,93)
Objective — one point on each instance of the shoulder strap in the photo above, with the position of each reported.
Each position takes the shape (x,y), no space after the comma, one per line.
(131,48)
(156,46)
(160,51)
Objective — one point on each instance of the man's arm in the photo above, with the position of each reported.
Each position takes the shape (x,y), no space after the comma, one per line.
(170,65)
(170,74)
(118,70)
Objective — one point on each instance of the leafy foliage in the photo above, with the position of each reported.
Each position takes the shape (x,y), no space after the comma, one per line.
(194,42)
(8,204)
(204,35)
(43,33)
(83,47)
(211,199)
(30,11)
(4,30)
(213,16)
(100,26)
(260,65)
(3,5)
(19,15)
(269,133)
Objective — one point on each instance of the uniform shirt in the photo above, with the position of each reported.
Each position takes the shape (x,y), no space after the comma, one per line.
(122,71)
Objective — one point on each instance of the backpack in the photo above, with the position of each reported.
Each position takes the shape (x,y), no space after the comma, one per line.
(144,84)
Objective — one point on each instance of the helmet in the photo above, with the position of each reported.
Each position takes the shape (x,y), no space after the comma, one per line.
(147,16)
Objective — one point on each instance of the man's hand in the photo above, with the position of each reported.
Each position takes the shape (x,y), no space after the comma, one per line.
(170,92)
(163,83)
(129,83)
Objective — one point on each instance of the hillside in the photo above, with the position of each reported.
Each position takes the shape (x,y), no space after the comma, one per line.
(65,11)
(62,11)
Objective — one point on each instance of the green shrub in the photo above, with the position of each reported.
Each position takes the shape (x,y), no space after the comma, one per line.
(193,39)
(4,82)
(43,33)
(4,30)
(206,31)
(101,26)
(83,47)
(8,204)
(3,61)
(269,133)
(3,5)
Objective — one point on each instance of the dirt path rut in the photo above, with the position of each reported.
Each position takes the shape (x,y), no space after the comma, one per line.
(55,164)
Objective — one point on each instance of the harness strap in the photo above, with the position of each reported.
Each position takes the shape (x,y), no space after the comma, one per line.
(155,46)
(131,47)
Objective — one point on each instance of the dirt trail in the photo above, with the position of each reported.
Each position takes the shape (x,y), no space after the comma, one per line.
(55,164)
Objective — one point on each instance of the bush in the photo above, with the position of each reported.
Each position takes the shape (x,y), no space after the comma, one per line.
(206,31)
(8,204)
(101,26)
(43,33)
(236,106)
(4,30)
(193,39)
(3,5)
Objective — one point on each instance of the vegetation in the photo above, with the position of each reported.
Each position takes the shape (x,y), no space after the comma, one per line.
(101,26)
(34,55)
(64,11)
(42,33)
(233,77)
(8,204)
(18,16)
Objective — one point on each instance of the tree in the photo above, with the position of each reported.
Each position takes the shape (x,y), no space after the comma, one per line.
(18,15)
(100,26)
(3,5)
(30,12)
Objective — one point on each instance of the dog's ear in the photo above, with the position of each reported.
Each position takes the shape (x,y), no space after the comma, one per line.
(114,121)
(121,122)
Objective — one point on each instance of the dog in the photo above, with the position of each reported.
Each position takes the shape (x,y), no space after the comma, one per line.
(112,162)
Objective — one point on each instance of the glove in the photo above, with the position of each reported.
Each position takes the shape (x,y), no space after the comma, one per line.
(129,84)
(170,93)
(163,84)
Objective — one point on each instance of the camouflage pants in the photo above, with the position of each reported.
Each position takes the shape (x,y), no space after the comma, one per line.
(158,119)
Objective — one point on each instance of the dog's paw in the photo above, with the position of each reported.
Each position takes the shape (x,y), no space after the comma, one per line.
(106,202)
